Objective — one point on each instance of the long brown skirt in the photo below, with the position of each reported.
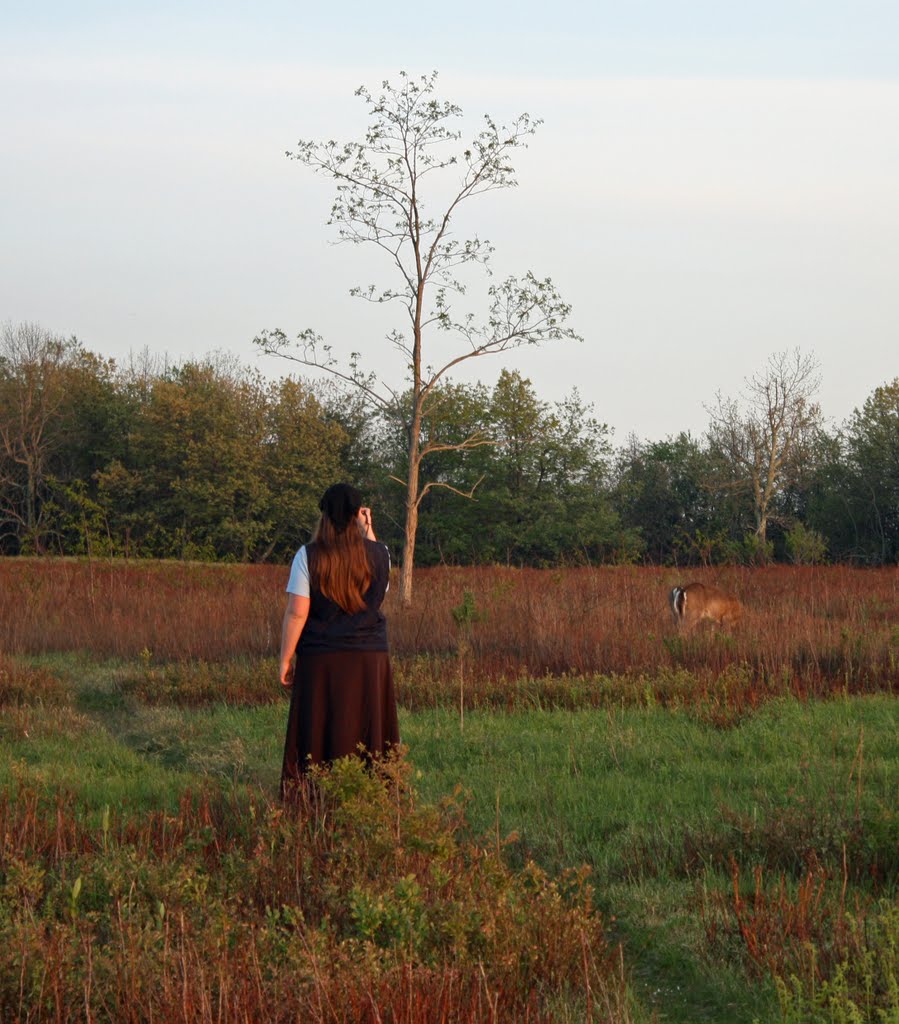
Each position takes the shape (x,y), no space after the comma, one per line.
(340,699)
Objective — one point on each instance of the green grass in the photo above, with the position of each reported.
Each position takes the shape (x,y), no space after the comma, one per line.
(652,799)
(141,757)
(655,801)
(584,786)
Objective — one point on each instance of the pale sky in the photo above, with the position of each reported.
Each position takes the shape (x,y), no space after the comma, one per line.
(713,182)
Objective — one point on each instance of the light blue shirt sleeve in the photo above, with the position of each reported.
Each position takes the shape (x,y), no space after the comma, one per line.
(299,575)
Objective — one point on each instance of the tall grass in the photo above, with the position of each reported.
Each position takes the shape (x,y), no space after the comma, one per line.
(168,610)
(605,632)
(834,957)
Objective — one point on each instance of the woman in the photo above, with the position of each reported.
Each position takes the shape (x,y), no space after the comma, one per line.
(342,682)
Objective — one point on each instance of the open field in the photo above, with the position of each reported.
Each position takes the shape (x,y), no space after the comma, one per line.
(742,839)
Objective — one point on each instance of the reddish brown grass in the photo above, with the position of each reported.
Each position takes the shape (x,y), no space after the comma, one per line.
(22,686)
(590,635)
(119,609)
(806,928)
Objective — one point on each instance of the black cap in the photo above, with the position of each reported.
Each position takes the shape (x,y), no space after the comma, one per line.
(341,504)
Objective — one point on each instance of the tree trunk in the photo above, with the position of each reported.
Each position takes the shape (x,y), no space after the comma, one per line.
(31,500)
(409,548)
(412,485)
(30,505)
(267,554)
(412,480)
(761,536)
(411,517)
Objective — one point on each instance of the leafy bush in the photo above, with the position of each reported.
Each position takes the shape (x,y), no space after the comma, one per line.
(860,989)
(805,546)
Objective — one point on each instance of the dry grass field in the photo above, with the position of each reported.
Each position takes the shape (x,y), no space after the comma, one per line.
(566,637)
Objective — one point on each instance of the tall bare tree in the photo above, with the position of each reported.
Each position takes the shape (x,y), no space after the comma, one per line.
(411,149)
(33,367)
(763,433)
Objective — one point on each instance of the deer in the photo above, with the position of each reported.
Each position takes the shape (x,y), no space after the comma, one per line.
(696,602)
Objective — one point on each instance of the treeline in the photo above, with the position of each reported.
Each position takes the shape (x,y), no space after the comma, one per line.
(210,460)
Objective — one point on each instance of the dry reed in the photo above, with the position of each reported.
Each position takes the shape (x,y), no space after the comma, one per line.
(604,633)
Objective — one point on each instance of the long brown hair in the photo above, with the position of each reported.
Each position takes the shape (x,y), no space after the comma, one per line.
(338,564)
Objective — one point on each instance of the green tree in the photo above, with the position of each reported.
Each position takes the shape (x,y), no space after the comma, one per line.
(96,418)
(452,516)
(545,481)
(573,518)
(301,458)
(871,483)
(662,492)
(401,190)
(193,483)
(805,546)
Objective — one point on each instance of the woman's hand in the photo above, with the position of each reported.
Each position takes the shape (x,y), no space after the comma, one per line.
(295,615)
(365,522)
(286,674)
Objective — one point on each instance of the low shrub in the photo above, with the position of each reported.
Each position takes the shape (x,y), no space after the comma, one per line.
(353,901)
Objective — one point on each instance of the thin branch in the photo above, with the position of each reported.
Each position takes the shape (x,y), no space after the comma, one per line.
(317,364)
(472,441)
(448,487)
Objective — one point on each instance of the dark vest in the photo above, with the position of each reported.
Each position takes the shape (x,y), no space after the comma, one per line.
(330,628)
